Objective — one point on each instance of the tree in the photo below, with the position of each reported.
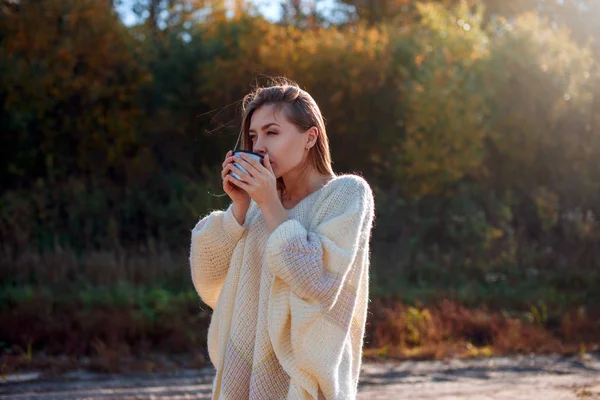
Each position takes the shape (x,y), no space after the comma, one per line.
(68,89)
(579,16)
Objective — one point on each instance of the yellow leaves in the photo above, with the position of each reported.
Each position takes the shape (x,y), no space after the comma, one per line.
(419,59)
(474,351)
(495,233)
(73,71)
(374,36)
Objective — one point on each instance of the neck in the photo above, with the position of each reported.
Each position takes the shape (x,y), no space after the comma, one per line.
(299,184)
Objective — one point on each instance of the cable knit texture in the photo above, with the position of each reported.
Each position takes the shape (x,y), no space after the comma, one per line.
(289,307)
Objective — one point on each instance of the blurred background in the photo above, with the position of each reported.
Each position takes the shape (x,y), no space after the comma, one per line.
(477,123)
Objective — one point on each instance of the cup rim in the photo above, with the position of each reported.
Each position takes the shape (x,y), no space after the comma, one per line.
(249,152)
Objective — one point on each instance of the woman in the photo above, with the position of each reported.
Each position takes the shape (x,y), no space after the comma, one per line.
(285,267)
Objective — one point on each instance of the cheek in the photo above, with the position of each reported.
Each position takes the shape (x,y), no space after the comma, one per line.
(286,153)
(289,156)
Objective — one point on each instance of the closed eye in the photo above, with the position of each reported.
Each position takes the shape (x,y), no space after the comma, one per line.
(252,137)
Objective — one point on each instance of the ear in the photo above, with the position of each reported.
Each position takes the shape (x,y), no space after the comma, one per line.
(311,137)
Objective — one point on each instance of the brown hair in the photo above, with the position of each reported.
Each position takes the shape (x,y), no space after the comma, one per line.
(300,109)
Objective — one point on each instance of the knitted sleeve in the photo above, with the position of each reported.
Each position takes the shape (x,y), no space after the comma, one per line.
(213,240)
(316,297)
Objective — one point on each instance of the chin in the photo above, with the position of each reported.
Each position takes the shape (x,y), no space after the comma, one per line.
(277,175)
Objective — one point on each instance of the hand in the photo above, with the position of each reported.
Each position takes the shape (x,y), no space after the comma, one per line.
(260,181)
(235,193)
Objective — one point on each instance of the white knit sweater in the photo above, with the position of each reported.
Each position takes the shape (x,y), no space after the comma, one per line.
(289,307)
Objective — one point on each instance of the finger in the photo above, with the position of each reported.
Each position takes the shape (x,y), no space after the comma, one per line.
(226,170)
(245,176)
(228,160)
(231,184)
(251,166)
(228,154)
(229,180)
(267,162)
(238,183)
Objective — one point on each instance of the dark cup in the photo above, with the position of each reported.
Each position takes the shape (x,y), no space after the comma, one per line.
(255,156)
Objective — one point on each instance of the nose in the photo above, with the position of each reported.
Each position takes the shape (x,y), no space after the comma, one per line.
(259,147)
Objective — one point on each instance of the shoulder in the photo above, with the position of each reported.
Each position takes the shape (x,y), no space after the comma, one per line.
(348,191)
(349,185)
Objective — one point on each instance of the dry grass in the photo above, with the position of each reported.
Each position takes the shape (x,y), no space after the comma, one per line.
(448,329)
(123,339)
(124,310)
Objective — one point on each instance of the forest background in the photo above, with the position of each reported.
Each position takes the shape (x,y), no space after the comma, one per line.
(477,123)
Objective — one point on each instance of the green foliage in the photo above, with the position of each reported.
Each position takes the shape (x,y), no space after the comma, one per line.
(417,323)
(446,107)
(538,314)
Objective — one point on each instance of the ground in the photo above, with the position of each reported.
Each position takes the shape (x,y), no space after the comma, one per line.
(514,378)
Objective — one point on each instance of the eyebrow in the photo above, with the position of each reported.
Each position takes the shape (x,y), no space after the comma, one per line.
(264,126)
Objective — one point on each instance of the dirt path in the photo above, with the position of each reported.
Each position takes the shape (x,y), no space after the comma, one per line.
(516,378)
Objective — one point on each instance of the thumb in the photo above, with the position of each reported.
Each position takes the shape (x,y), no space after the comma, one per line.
(267,163)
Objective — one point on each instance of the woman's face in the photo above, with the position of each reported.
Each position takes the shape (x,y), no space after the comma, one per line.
(271,133)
